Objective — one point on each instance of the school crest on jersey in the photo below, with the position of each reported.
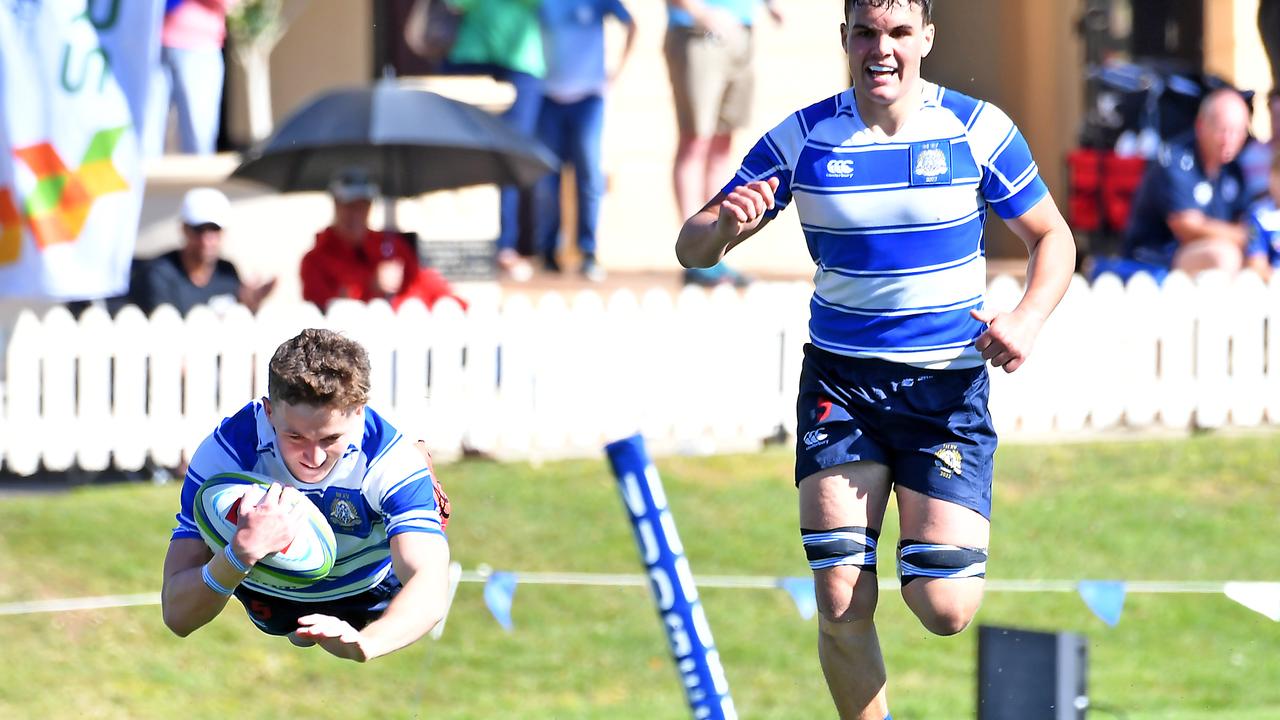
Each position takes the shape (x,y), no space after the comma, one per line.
(344,508)
(949,460)
(931,163)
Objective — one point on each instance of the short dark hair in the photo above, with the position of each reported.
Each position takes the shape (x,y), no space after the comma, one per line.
(926,6)
(320,368)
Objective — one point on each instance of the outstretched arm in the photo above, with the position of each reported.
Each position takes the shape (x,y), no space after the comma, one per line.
(422,563)
(186,601)
(1009,336)
(725,222)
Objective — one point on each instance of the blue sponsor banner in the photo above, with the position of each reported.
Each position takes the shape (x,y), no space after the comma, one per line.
(671,580)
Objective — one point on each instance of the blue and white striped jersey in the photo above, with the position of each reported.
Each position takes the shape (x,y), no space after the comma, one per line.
(377,489)
(896,226)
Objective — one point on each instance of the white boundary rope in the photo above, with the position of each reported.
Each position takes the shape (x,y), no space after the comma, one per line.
(716,582)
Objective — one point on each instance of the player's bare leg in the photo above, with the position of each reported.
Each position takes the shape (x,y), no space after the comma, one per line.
(945,606)
(689,174)
(851,495)
(719,163)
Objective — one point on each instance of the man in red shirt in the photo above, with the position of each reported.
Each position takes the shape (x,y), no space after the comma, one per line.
(352,261)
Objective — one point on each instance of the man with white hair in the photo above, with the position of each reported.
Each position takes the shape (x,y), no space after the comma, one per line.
(1187,213)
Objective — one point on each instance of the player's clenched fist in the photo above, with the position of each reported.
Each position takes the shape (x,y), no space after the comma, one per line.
(743,208)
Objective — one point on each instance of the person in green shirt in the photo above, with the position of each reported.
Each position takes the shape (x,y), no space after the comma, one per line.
(502,39)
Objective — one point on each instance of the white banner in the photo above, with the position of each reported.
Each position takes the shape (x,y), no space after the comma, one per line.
(1262,597)
(73,83)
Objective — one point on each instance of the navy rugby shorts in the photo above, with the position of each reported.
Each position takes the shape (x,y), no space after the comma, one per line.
(930,427)
(279,616)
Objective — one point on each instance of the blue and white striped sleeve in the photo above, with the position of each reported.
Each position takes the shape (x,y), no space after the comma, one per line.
(1011,180)
(403,492)
(773,156)
(229,448)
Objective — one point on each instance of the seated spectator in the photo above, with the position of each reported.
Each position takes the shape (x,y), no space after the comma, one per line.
(352,261)
(195,274)
(1263,254)
(1187,214)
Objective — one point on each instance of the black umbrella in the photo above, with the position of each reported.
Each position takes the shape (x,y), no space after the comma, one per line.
(411,141)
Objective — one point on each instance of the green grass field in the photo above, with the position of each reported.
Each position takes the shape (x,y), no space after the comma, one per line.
(1197,509)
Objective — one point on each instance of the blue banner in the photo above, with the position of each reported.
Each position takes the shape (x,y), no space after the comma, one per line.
(802,594)
(499,595)
(1104,597)
(671,580)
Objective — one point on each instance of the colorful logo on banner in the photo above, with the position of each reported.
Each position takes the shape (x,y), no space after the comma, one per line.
(58,206)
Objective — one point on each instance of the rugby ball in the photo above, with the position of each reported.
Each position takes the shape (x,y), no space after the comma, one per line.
(307,558)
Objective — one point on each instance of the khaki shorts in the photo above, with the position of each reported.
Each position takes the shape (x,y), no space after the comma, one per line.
(712,79)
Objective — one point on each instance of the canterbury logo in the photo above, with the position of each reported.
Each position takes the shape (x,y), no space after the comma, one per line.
(58,206)
(814,438)
(840,168)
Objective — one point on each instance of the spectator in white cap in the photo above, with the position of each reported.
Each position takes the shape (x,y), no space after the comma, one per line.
(194,274)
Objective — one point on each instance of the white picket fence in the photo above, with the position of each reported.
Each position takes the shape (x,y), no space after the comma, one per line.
(698,372)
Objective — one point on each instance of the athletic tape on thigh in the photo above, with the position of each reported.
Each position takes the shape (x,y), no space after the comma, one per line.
(851,545)
(927,560)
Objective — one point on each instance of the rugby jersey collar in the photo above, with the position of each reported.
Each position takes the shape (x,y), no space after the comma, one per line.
(930,97)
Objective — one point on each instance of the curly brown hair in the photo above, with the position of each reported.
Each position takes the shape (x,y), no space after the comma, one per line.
(926,6)
(320,368)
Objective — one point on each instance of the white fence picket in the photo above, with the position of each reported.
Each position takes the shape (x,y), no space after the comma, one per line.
(93,390)
(1099,343)
(448,404)
(759,327)
(1271,382)
(661,357)
(551,380)
(412,330)
(1177,320)
(1135,364)
(697,382)
(482,342)
(130,437)
(236,361)
(1213,314)
(618,403)
(58,388)
(379,340)
(587,373)
(165,429)
(1247,315)
(200,342)
(795,333)
(1008,400)
(22,359)
(515,407)
(726,327)
(1064,363)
